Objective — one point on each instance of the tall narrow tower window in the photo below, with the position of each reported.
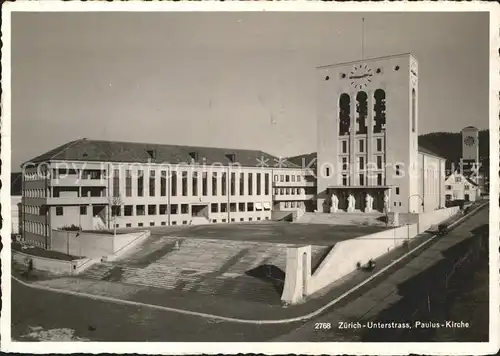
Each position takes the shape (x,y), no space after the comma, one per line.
(413,110)
(379,109)
(344,114)
(362,110)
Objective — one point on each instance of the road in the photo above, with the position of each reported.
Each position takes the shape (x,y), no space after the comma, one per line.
(45,315)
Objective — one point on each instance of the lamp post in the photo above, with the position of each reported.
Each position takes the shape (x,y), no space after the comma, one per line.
(408,216)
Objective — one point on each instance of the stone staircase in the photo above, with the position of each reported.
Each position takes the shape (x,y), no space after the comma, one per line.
(219,267)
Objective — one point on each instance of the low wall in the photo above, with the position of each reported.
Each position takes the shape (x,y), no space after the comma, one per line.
(123,243)
(427,220)
(93,244)
(345,255)
(52,265)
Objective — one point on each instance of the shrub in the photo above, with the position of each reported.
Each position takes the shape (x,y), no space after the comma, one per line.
(71,227)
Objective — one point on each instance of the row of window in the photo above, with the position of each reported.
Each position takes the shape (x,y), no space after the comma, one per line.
(449,187)
(32,209)
(379,112)
(185,222)
(361,145)
(361,178)
(35,227)
(239,207)
(57,172)
(287,178)
(217,180)
(293,204)
(361,163)
(35,193)
(289,191)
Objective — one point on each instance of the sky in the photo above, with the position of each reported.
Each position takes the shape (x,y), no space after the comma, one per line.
(236,80)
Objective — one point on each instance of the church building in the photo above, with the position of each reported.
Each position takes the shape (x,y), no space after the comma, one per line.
(368,153)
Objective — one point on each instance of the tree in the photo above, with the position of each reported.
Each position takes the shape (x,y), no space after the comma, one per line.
(115,203)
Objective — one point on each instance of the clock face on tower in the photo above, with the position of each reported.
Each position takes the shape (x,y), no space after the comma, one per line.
(360,76)
(469,141)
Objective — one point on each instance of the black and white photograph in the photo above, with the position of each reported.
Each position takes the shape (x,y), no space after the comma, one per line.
(286,177)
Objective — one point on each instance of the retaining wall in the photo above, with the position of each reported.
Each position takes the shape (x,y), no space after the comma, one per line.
(52,265)
(94,244)
(345,255)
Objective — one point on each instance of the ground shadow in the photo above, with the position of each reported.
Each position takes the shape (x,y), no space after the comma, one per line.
(270,274)
(433,294)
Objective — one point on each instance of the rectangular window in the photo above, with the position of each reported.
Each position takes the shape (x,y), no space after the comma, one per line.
(344,146)
(448,187)
(379,144)
(128,225)
(184,208)
(214,208)
(361,179)
(397,190)
(466,187)
(59,210)
(152,183)
(184,183)
(287,178)
(83,210)
(152,223)
(249,206)
(173,184)
(361,146)
(275,177)
(293,178)
(214,183)
(174,209)
(379,162)
(224,184)
(204,184)
(361,163)
(195,184)
(266,183)
(458,179)
(242,183)
(233,183)
(379,179)
(151,209)
(128,210)
(282,178)
(327,171)
(344,164)
(250,184)
(128,183)
(223,207)
(140,183)
(163,209)
(232,207)
(116,183)
(163,183)
(344,180)
(140,224)
(241,207)
(140,210)
(259,187)
(397,170)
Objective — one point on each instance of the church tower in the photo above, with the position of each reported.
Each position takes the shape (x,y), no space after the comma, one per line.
(367,114)
(470,150)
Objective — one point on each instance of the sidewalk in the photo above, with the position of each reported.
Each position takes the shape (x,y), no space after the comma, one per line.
(224,306)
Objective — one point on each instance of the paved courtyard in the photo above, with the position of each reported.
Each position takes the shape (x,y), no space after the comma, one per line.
(274,232)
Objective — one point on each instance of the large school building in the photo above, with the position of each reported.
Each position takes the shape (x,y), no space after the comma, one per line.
(368,160)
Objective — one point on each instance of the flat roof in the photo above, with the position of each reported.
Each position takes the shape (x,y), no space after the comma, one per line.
(366,60)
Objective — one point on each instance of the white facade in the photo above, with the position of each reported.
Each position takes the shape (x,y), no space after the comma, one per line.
(93,195)
(459,187)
